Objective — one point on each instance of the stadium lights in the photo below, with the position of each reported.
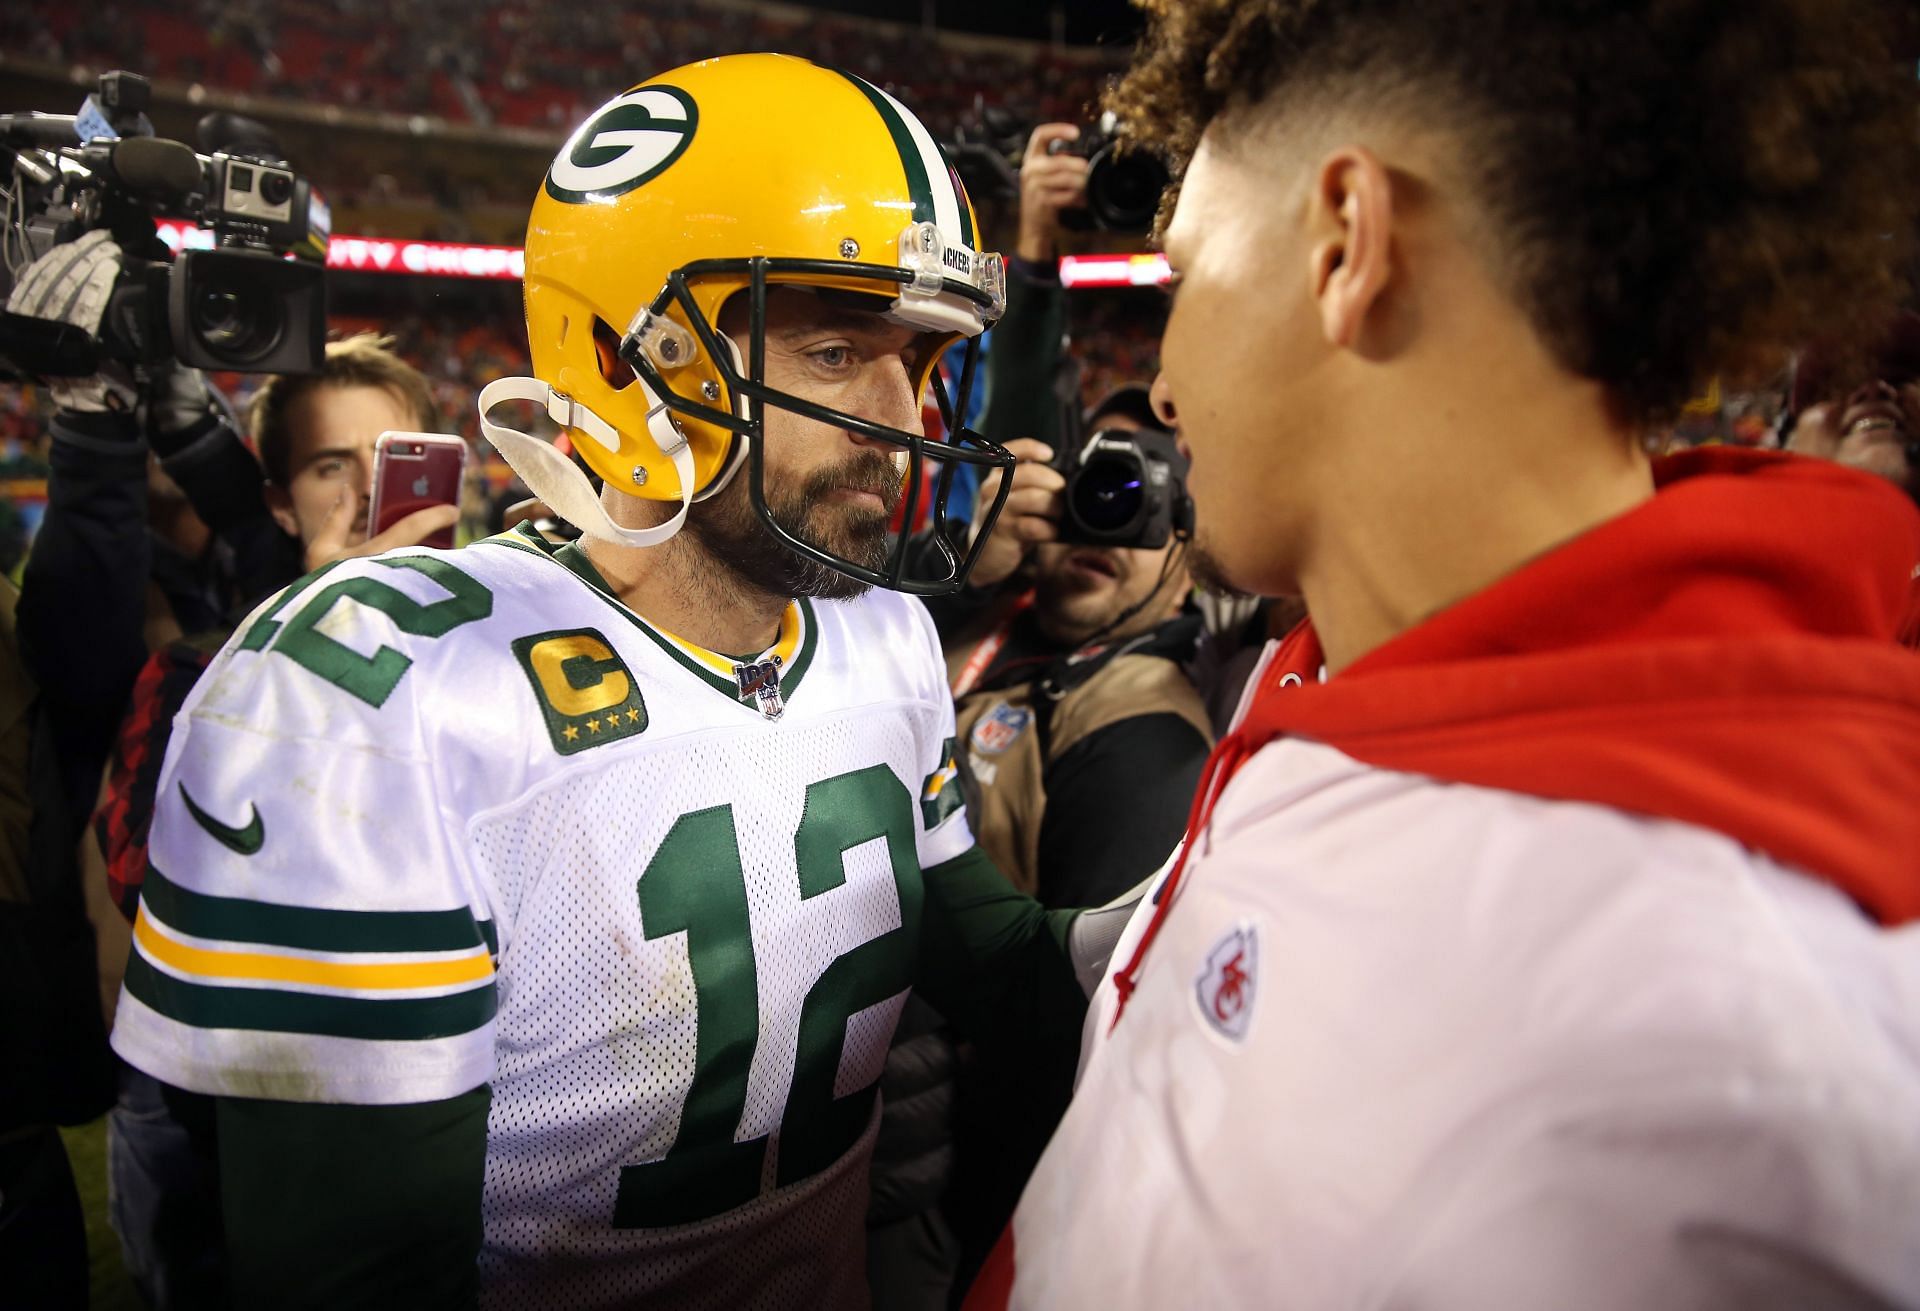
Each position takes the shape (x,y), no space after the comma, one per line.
(454,259)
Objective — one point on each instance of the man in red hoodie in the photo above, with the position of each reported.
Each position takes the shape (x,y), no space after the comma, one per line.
(1544,932)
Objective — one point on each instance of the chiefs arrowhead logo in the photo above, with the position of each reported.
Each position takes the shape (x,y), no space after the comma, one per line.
(631,139)
(1224,990)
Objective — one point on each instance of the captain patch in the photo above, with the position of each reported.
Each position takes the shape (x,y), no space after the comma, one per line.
(586,693)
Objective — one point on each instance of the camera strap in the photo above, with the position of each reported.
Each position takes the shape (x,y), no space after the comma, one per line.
(558,481)
(982,656)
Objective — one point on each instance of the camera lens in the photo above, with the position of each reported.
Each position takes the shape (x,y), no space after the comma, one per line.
(1108,493)
(237,322)
(1123,191)
(275,188)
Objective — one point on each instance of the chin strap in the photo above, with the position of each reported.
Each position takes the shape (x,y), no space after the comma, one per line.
(558,481)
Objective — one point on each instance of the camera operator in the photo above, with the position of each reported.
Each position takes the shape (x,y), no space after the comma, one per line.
(101,578)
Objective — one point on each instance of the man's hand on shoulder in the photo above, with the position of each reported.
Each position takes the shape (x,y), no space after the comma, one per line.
(1031,515)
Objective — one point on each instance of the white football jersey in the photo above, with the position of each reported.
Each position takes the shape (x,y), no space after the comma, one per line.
(439,819)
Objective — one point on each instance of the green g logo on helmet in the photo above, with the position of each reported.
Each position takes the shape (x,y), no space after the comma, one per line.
(632,139)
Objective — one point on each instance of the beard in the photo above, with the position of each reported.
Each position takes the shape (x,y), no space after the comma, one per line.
(735,536)
(1208,572)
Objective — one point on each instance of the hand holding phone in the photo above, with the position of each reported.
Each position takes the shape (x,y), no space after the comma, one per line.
(412,471)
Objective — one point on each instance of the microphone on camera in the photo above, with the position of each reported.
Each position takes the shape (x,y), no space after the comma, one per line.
(40,129)
(153,166)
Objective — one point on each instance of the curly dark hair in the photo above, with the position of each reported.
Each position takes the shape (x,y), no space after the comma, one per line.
(1677,188)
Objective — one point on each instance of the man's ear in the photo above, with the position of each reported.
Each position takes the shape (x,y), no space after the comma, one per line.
(1351,214)
(280,506)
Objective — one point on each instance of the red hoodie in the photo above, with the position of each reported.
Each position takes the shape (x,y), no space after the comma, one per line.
(1723,654)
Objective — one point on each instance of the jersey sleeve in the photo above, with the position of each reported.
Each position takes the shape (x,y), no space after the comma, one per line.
(309,929)
(943,832)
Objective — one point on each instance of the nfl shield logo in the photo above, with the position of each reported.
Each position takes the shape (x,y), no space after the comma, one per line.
(999,728)
(1224,990)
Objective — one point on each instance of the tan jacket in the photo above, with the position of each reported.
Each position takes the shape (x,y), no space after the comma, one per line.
(1007,737)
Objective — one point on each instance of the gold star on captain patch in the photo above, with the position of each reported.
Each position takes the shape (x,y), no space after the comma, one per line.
(593,726)
(570,733)
(633,716)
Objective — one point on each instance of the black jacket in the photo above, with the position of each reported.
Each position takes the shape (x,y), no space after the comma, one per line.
(80,638)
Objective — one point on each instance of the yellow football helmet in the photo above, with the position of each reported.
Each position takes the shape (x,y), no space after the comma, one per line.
(729,176)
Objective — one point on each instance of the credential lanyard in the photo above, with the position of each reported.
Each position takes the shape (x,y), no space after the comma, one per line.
(990,646)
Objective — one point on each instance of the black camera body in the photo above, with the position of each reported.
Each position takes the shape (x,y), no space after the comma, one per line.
(242,305)
(1123,186)
(1125,487)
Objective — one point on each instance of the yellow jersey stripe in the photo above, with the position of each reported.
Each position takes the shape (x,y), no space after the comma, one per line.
(268,968)
(785,646)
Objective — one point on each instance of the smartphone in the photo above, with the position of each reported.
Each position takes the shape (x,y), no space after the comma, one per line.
(411,471)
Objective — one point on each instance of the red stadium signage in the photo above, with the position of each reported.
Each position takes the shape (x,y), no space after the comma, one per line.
(434,259)
(453,259)
(1113,270)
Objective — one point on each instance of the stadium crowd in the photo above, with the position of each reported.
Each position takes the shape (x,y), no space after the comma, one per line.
(1387,775)
(517,64)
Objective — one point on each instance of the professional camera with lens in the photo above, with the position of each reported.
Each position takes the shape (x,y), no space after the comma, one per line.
(1125,487)
(242,305)
(1123,186)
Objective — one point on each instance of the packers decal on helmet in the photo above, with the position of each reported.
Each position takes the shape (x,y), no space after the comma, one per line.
(630,140)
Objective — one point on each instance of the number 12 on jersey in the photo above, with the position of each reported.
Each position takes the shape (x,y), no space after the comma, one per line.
(695,885)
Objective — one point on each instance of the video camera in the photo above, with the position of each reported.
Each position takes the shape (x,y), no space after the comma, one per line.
(242,306)
(1125,487)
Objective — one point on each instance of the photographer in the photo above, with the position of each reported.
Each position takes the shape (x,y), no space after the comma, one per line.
(1024,377)
(1082,645)
(1080,741)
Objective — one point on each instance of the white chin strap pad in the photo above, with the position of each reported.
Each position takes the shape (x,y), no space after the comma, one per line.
(559,482)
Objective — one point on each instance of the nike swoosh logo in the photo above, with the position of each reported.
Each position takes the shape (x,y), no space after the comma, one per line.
(245,840)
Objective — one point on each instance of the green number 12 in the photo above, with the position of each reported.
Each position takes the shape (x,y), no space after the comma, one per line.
(695,885)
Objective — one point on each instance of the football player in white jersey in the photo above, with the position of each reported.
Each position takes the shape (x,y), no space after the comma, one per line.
(537,917)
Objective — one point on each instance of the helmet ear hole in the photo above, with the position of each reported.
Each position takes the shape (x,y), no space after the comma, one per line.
(606,348)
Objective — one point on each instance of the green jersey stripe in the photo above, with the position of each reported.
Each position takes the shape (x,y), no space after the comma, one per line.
(231,919)
(406,1019)
(790,676)
(919,186)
